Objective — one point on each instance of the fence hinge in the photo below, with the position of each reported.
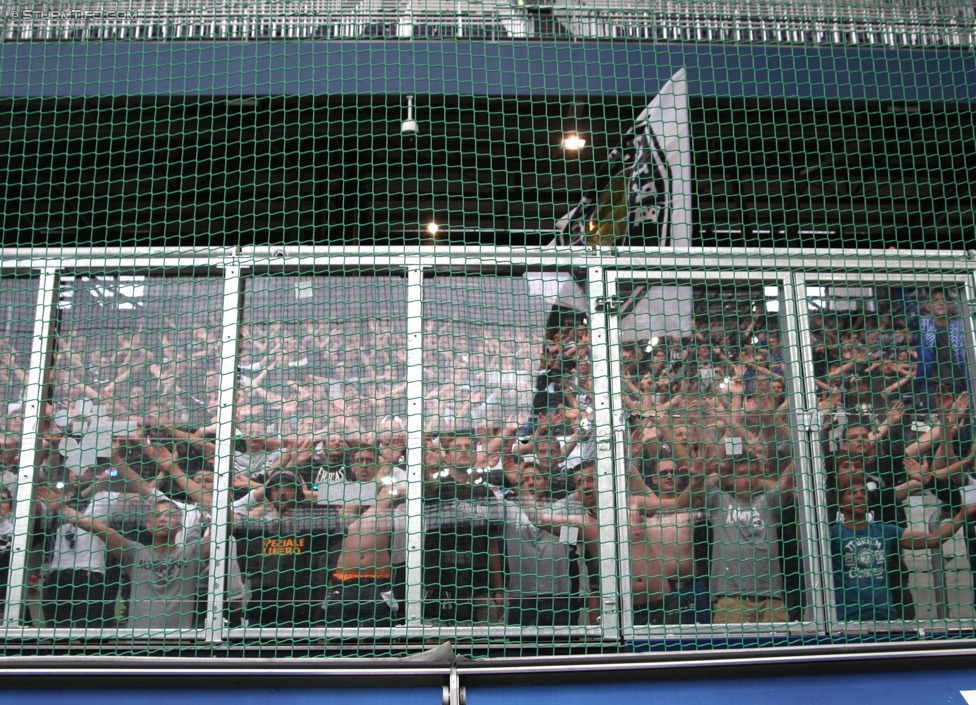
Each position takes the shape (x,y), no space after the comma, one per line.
(609,304)
(810,421)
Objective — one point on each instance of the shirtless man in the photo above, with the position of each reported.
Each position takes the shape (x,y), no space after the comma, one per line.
(362,594)
(662,560)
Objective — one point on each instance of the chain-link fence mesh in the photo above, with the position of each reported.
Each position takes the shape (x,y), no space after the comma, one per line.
(313,345)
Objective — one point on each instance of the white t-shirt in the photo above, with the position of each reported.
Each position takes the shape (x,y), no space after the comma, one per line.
(6,533)
(575,457)
(9,480)
(77,549)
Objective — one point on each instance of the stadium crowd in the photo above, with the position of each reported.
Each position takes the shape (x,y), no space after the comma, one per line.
(124,511)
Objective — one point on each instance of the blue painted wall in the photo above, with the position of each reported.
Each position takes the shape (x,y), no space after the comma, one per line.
(154,695)
(945,687)
(459,67)
(900,688)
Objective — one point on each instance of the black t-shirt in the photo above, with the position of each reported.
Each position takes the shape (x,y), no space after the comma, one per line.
(943,346)
(946,369)
(889,469)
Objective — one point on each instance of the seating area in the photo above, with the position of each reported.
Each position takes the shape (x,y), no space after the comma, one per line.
(706,515)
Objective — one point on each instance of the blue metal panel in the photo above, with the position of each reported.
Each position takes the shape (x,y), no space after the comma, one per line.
(463,67)
(900,688)
(168,696)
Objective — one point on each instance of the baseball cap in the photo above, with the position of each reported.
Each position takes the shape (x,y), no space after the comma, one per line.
(282,476)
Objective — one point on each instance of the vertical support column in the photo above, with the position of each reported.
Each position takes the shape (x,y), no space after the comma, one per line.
(415,444)
(223,465)
(42,345)
(604,455)
(969,326)
(969,330)
(808,470)
(618,420)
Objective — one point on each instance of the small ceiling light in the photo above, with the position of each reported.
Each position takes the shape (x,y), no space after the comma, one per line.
(574,142)
(409,128)
(433,228)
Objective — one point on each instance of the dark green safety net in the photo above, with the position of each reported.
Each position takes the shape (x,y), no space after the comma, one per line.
(350,329)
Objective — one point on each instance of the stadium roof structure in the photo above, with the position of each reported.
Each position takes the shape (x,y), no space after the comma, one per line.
(109,158)
(336,170)
(863,22)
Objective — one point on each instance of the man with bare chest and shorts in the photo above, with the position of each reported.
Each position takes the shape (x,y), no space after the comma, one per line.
(362,592)
(662,548)
(661,540)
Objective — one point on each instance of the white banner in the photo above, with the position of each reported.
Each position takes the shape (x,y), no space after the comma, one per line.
(644,195)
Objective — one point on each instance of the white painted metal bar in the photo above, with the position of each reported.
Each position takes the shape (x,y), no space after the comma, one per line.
(420,632)
(969,325)
(618,417)
(609,609)
(732,261)
(580,253)
(659,276)
(42,346)
(968,314)
(224,462)
(808,469)
(415,445)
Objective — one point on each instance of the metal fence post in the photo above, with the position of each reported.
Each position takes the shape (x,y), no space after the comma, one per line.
(609,609)
(224,462)
(42,346)
(415,445)
(808,463)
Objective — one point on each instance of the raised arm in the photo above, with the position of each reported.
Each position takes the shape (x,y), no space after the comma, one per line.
(919,540)
(895,412)
(151,423)
(143,488)
(945,454)
(208,543)
(785,483)
(113,539)
(694,493)
(552,521)
(925,442)
(495,445)
(196,490)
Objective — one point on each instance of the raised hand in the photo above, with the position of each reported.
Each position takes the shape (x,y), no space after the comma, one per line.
(736,386)
(399,440)
(958,410)
(52,499)
(962,402)
(895,413)
(511,428)
(916,471)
